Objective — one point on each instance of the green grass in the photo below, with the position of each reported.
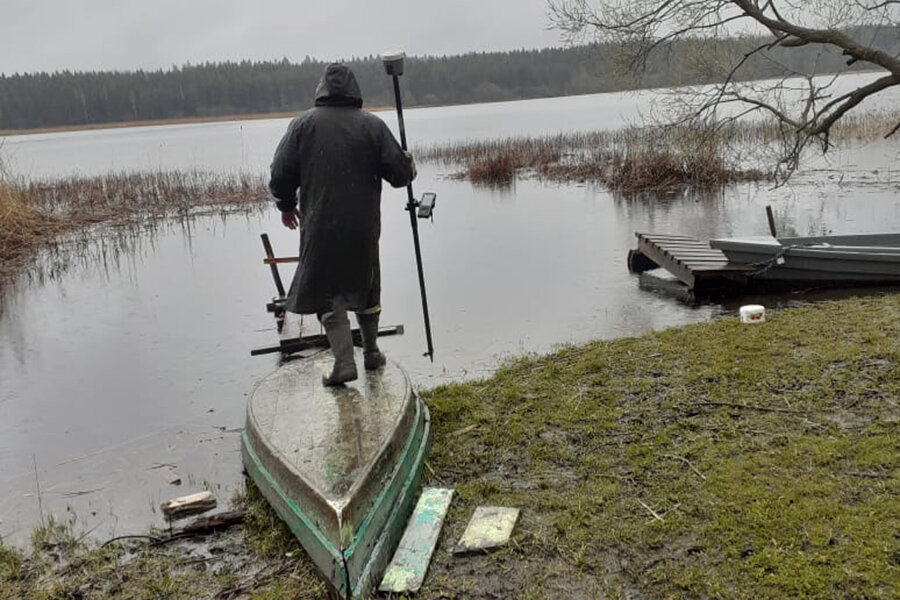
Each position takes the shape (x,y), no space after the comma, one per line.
(771,453)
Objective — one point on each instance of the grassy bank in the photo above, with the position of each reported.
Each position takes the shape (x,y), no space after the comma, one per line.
(770,455)
(717,460)
(35,214)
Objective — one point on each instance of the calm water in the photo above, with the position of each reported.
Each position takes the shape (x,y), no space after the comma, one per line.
(114,367)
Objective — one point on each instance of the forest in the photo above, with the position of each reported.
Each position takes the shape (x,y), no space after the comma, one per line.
(35,100)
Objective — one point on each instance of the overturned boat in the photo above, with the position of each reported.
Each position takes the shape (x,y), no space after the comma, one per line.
(870,259)
(339,465)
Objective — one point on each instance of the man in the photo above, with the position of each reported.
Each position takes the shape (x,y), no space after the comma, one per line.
(337,155)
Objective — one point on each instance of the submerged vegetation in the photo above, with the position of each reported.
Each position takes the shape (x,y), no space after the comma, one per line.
(717,460)
(34,214)
(254,561)
(627,159)
(638,158)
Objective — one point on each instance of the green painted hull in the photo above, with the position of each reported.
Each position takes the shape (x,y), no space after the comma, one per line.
(350,534)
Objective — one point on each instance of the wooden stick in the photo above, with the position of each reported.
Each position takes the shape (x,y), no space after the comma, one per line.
(212,523)
(688,463)
(771,218)
(268,248)
(291,345)
(652,512)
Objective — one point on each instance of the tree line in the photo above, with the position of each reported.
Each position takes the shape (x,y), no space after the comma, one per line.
(231,88)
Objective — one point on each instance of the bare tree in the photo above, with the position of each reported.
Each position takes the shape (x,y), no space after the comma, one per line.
(805,104)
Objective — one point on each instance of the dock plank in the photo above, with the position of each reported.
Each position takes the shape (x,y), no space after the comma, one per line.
(407,569)
(693,262)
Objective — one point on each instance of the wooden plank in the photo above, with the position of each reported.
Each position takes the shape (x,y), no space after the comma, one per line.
(665,236)
(721,269)
(653,252)
(188,505)
(680,243)
(267,246)
(689,259)
(673,248)
(696,256)
(406,572)
(167,472)
(700,261)
(490,527)
(705,249)
(290,345)
(690,249)
(697,266)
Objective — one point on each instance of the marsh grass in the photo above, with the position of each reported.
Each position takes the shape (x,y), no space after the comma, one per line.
(37,214)
(641,158)
(629,159)
(21,225)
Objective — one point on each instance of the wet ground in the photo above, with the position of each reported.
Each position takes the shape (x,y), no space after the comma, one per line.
(117,361)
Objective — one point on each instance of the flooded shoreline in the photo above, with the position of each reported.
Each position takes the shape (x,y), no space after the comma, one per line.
(148,336)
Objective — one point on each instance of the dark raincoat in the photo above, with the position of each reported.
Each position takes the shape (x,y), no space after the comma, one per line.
(337,155)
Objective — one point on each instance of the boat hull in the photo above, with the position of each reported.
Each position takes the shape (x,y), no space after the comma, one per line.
(839,260)
(339,465)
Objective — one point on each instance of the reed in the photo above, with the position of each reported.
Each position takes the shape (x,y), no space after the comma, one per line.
(35,214)
(628,159)
(22,226)
(638,158)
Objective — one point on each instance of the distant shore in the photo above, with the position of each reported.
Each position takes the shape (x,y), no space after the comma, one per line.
(157,122)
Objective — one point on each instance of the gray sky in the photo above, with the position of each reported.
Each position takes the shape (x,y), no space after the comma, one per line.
(49,35)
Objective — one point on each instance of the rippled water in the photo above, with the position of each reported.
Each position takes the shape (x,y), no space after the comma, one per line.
(125,360)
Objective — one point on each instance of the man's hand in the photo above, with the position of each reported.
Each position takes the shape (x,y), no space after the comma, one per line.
(289,218)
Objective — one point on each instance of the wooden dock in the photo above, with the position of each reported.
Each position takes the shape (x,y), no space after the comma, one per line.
(699,267)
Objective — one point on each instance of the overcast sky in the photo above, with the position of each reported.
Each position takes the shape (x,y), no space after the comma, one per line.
(50,35)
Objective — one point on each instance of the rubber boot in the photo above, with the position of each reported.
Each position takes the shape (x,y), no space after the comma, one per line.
(337,329)
(373,359)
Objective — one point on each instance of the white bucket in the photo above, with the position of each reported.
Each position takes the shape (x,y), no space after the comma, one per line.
(753,313)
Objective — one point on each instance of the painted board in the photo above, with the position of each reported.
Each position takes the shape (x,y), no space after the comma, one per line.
(407,570)
(490,527)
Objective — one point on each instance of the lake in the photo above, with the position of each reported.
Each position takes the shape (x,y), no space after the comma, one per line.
(127,360)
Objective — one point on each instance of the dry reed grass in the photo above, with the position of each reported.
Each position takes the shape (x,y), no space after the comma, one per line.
(34,214)
(628,159)
(639,158)
(22,226)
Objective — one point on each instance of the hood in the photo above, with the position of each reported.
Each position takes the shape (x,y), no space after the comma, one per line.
(338,87)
